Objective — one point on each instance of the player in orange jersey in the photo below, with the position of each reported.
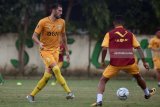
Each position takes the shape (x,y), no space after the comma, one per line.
(120,43)
(51,30)
(154,45)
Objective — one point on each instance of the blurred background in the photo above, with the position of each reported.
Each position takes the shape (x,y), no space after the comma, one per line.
(87,21)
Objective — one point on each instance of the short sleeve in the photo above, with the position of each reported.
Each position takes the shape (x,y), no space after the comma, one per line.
(105,42)
(39,27)
(151,42)
(135,42)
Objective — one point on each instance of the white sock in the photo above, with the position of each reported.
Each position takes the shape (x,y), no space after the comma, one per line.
(99,97)
(158,83)
(146,91)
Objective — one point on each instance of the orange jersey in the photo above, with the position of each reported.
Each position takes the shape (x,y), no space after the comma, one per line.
(155,44)
(50,32)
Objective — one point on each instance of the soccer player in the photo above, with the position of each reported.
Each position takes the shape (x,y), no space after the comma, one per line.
(154,45)
(51,29)
(120,43)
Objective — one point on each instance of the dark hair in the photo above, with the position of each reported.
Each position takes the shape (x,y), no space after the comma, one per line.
(56,5)
(118,19)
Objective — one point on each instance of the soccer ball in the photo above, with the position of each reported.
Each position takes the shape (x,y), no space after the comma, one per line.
(122,93)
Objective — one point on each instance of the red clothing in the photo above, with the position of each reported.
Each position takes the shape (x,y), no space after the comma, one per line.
(61,54)
(121,47)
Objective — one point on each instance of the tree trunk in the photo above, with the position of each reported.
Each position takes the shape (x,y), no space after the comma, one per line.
(21,57)
(22,37)
(70,5)
(89,52)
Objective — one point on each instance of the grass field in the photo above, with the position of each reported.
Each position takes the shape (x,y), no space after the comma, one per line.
(12,95)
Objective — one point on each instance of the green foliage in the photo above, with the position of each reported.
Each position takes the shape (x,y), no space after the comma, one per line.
(139,15)
(13,11)
(96,16)
(70,40)
(156,6)
(29,43)
(65,64)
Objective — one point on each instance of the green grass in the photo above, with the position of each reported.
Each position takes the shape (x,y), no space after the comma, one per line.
(12,95)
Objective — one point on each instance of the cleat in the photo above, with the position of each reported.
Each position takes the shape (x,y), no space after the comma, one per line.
(97,104)
(151,93)
(70,96)
(30,98)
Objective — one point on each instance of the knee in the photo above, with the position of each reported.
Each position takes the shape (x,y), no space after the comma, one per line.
(104,79)
(55,69)
(138,77)
(52,65)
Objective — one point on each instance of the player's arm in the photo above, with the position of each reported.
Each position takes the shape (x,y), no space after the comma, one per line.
(36,40)
(64,39)
(105,45)
(136,45)
(104,52)
(37,32)
(142,57)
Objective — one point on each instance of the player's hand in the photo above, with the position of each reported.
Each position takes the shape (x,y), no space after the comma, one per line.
(103,65)
(67,57)
(41,45)
(146,65)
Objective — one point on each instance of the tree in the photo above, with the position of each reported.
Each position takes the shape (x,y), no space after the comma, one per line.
(139,15)
(156,6)
(17,16)
(96,19)
(96,16)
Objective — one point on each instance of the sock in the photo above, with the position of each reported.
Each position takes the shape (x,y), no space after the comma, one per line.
(146,91)
(60,78)
(41,83)
(99,97)
(158,83)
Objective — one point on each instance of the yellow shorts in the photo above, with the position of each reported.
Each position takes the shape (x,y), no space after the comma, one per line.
(49,57)
(111,71)
(156,62)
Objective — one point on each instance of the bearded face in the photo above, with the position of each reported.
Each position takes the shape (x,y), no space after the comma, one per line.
(58,12)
